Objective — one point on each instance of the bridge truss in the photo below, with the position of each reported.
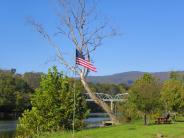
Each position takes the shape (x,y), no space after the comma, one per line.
(108,98)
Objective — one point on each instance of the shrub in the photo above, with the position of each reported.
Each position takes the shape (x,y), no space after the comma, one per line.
(52,106)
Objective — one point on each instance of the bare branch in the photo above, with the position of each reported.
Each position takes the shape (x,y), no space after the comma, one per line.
(59,54)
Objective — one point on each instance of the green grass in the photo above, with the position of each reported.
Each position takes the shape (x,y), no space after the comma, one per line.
(133,130)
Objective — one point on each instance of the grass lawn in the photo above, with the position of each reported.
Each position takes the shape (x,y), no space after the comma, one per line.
(132,130)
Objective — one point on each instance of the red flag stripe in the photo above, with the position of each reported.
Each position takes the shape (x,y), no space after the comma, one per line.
(84,60)
(86,65)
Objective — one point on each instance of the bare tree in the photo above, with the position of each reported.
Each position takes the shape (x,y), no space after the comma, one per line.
(79,24)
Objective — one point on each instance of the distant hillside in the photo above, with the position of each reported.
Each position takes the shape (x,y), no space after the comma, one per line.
(126,77)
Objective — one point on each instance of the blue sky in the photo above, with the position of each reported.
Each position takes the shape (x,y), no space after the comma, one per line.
(152,40)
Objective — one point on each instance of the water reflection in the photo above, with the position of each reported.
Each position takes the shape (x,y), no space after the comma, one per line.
(7,129)
(95,120)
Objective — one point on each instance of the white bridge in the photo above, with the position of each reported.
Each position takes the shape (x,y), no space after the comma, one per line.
(108,98)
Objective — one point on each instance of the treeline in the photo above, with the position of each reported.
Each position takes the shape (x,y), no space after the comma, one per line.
(17,89)
(45,101)
(15,92)
(149,97)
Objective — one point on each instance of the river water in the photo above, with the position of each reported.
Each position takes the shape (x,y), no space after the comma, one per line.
(7,128)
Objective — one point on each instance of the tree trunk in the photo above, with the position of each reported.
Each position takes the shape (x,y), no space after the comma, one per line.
(145,119)
(98,101)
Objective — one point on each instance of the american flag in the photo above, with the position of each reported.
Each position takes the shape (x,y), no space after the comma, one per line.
(80,60)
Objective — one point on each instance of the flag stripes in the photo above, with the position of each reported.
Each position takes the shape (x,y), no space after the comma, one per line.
(80,60)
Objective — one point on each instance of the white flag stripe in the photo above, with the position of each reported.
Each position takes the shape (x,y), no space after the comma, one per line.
(86,65)
(85,61)
(82,63)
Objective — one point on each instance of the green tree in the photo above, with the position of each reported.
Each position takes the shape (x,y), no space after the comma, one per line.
(127,111)
(7,89)
(14,92)
(53,106)
(33,79)
(175,75)
(171,95)
(145,95)
(111,89)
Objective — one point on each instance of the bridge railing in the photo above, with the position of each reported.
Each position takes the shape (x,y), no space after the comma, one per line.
(108,98)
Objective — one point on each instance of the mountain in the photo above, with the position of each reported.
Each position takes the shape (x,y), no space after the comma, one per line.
(126,77)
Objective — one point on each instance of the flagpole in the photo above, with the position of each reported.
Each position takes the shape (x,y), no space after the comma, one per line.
(74,100)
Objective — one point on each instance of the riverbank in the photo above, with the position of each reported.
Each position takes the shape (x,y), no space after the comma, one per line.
(132,130)
(8,127)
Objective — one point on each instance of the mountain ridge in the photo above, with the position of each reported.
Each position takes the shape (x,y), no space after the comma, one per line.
(128,77)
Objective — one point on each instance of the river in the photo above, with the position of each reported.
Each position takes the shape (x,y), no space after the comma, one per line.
(7,128)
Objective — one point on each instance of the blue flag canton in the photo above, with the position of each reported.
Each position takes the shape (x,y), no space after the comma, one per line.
(79,54)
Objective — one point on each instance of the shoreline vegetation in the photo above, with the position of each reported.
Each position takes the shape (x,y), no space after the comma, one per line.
(148,97)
